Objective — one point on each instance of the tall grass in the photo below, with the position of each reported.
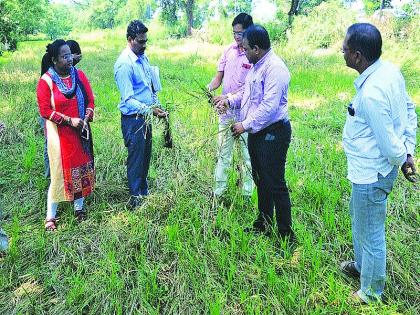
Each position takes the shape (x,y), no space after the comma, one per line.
(180,252)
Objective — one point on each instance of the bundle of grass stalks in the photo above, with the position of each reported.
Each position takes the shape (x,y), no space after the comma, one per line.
(167,136)
(202,92)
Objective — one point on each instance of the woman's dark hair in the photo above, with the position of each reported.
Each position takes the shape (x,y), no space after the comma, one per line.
(75,49)
(257,35)
(244,19)
(366,38)
(53,50)
(135,28)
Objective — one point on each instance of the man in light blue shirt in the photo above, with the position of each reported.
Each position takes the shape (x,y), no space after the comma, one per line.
(134,79)
(379,136)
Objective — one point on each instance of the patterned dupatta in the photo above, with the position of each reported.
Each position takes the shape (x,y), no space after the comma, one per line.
(77,89)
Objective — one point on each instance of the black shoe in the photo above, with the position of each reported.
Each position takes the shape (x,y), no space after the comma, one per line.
(222,199)
(288,237)
(349,268)
(287,243)
(80,215)
(259,227)
(135,202)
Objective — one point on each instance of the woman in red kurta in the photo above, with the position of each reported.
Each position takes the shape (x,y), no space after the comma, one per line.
(65,100)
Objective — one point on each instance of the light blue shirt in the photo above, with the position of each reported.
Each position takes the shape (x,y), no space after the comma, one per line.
(383,130)
(133,77)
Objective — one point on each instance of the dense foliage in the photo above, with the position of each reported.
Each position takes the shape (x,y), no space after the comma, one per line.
(58,22)
(19,19)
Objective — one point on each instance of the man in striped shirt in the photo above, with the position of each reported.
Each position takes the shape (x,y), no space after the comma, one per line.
(379,136)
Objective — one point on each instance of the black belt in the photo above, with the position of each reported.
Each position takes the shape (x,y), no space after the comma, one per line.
(133,116)
(272,127)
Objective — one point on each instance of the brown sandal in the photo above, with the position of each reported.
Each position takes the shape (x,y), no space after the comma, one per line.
(50,225)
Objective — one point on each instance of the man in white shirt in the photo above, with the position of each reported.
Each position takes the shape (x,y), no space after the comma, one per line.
(379,136)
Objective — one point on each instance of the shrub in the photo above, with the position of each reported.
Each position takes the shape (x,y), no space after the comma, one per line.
(8,35)
(9,28)
(371,6)
(277,28)
(406,25)
(177,29)
(401,28)
(320,29)
(218,32)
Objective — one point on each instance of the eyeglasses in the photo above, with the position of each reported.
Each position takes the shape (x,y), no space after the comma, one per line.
(351,110)
(239,34)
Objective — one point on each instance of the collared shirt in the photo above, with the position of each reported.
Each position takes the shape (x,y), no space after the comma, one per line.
(133,78)
(235,67)
(383,129)
(264,96)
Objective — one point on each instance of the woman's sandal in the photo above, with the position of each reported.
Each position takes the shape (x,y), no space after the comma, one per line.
(80,215)
(50,225)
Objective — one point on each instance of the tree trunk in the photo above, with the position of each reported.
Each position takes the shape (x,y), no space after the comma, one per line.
(293,10)
(189,8)
(382,7)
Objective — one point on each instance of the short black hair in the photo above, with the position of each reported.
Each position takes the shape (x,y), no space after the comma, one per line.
(53,50)
(244,19)
(257,35)
(74,47)
(366,38)
(135,28)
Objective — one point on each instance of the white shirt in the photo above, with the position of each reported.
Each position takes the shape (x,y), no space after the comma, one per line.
(383,130)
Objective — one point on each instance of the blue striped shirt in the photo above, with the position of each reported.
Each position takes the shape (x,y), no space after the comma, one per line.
(383,129)
(133,77)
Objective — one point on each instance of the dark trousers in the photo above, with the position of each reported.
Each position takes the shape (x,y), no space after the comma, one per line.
(137,136)
(268,150)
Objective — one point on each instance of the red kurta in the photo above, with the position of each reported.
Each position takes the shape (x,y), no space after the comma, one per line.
(72,169)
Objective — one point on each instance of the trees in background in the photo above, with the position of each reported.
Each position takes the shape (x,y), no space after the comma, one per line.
(298,7)
(189,10)
(135,9)
(170,10)
(29,14)
(103,13)
(8,27)
(372,5)
(20,18)
(238,6)
(59,22)
(175,12)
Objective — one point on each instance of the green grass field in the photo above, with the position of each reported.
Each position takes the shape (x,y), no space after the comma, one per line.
(181,253)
